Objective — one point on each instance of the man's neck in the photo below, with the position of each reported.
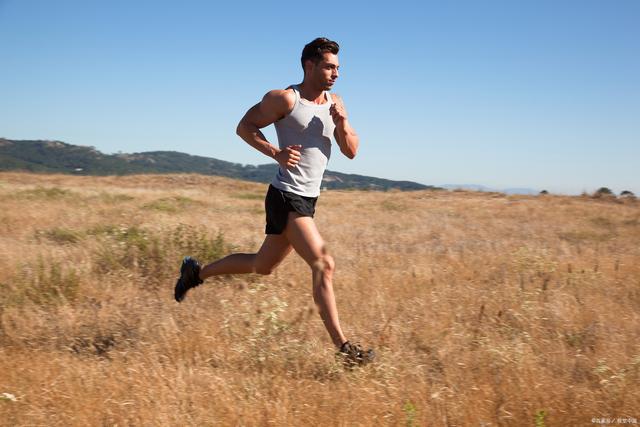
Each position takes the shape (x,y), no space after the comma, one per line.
(310,93)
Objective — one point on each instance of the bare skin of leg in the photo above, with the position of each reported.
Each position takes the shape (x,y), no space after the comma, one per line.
(274,249)
(303,235)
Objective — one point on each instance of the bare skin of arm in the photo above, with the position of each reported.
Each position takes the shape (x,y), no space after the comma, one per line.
(274,106)
(344,134)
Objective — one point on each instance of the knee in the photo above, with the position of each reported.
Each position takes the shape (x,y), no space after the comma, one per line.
(325,264)
(265,270)
(329,263)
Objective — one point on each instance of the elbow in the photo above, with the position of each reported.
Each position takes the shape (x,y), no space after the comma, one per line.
(352,149)
(349,146)
(350,153)
(245,129)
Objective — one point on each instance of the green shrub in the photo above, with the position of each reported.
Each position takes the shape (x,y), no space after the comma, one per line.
(130,248)
(43,283)
(603,192)
(170,204)
(249,196)
(47,193)
(190,241)
(102,230)
(391,206)
(60,235)
(114,198)
(410,413)
(153,254)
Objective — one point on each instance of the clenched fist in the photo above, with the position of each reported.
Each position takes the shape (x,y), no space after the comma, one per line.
(289,157)
(338,112)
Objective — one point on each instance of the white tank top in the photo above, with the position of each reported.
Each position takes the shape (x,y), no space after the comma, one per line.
(311,126)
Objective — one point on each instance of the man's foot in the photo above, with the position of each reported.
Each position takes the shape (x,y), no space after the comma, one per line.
(353,355)
(189,277)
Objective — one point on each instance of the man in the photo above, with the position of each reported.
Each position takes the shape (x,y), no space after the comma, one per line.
(305,117)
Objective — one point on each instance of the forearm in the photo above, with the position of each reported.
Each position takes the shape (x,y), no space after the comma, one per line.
(347,139)
(255,138)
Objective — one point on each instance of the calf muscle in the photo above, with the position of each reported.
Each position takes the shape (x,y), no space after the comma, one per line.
(274,249)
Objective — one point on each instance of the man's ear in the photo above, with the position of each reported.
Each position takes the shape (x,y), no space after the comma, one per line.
(308,65)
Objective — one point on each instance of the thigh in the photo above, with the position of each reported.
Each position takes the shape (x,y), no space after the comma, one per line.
(274,249)
(302,233)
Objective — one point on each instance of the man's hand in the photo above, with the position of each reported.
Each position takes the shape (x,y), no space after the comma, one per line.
(338,112)
(289,157)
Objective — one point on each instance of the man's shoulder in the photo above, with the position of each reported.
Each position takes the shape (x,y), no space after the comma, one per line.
(280,98)
(281,95)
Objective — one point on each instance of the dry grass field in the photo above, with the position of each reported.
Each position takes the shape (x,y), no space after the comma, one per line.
(484,309)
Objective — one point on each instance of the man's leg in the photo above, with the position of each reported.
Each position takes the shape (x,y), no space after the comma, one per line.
(274,249)
(302,233)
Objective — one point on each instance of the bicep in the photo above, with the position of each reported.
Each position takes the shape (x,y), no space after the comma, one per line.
(259,117)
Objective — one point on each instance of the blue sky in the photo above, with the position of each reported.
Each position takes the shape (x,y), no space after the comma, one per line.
(539,94)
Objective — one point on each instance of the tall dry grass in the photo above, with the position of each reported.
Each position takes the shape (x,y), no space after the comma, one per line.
(484,309)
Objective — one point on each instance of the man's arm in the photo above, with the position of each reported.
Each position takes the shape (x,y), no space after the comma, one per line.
(344,134)
(274,105)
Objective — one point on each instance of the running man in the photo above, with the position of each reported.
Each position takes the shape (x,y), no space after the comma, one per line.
(305,116)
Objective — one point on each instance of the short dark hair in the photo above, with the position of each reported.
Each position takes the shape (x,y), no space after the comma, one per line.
(318,47)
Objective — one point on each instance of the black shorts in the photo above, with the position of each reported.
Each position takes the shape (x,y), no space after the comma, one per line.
(279,203)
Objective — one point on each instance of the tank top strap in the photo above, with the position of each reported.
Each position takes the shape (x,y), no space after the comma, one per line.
(296,91)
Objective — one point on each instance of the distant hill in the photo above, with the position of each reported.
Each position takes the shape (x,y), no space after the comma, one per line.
(60,157)
(476,187)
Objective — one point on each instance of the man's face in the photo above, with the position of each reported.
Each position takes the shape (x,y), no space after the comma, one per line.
(325,72)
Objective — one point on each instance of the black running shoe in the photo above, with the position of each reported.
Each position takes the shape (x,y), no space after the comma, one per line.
(189,277)
(353,355)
